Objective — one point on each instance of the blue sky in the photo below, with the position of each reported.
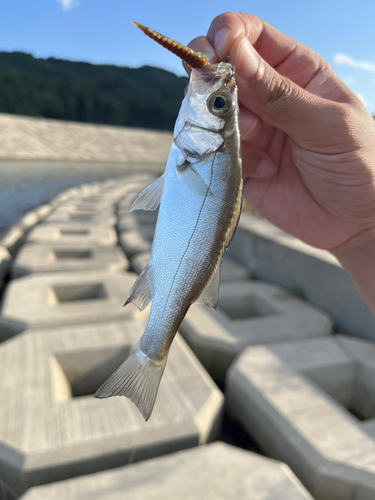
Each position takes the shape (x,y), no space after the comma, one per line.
(99,31)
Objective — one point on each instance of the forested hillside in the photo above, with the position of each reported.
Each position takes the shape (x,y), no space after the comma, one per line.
(54,88)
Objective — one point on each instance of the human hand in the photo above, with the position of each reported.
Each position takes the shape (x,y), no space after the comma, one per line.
(308,143)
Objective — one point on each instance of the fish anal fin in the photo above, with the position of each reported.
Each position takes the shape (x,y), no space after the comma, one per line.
(210,295)
(140,294)
(149,198)
(138,379)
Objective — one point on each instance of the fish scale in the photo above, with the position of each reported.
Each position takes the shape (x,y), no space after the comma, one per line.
(200,196)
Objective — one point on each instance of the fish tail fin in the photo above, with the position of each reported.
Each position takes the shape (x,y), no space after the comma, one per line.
(138,379)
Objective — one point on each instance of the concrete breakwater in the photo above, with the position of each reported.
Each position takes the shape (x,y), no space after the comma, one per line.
(66,268)
(40,158)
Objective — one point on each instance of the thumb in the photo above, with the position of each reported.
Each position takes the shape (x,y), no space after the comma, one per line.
(278,100)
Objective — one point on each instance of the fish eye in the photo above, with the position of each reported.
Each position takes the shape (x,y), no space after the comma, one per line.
(220,104)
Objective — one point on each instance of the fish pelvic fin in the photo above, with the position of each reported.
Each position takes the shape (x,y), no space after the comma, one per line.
(140,293)
(138,379)
(150,197)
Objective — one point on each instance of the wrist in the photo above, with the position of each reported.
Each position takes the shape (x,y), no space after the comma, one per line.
(357,257)
(363,243)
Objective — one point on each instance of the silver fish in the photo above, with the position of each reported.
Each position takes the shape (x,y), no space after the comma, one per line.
(200,197)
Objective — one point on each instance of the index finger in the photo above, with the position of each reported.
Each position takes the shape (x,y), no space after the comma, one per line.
(287,56)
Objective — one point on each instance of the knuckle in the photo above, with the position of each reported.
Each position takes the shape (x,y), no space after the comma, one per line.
(280,91)
(348,125)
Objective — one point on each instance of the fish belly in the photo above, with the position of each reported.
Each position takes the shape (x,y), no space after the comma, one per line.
(187,244)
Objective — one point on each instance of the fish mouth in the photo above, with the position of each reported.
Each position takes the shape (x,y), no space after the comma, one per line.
(195,60)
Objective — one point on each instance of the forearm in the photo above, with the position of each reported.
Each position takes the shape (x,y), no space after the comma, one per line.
(357,257)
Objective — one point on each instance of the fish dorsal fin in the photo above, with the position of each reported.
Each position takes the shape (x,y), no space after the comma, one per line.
(193,180)
(210,295)
(140,294)
(149,198)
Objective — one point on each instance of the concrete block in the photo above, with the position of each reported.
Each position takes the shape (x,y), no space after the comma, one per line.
(248,313)
(62,217)
(12,238)
(148,217)
(281,259)
(52,429)
(231,271)
(216,471)
(71,234)
(126,202)
(81,208)
(58,199)
(48,300)
(42,211)
(44,258)
(273,391)
(27,221)
(121,187)
(323,361)
(140,261)
(131,222)
(133,243)
(362,354)
(5,260)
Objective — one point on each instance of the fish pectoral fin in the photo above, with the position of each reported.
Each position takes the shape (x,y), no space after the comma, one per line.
(192,178)
(140,294)
(149,198)
(138,379)
(210,295)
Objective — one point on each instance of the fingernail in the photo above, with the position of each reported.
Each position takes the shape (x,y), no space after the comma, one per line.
(266,168)
(222,41)
(247,59)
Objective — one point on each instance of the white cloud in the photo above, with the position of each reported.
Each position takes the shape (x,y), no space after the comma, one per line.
(68,4)
(349,61)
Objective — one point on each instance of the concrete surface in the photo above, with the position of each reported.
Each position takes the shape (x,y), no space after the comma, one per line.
(276,257)
(133,243)
(42,139)
(248,313)
(213,472)
(43,210)
(5,260)
(28,221)
(62,217)
(362,355)
(48,300)
(79,208)
(140,261)
(232,271)
(11,238)
(71,234)
(130,222)
(292,398)
(51,428)
(44,258)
